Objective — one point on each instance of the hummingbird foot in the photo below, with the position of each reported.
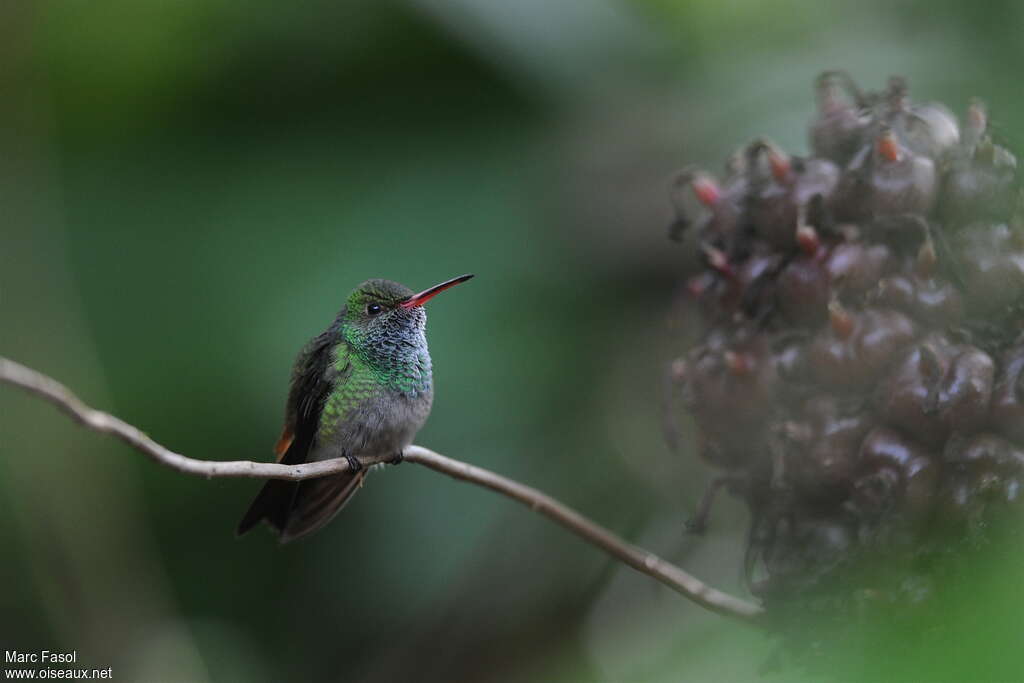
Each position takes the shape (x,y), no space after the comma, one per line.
(397,459)
(353,463)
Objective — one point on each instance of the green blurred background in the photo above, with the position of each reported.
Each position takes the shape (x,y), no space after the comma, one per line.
(189,189)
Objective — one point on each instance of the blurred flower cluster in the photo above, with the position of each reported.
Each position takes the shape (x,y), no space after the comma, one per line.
(860,378)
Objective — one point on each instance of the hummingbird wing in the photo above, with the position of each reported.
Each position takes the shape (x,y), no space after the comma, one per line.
(294,509)
(310,386)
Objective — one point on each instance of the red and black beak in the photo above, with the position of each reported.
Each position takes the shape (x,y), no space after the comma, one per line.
(428,294)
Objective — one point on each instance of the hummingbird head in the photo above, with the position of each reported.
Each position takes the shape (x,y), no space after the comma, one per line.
(384,322)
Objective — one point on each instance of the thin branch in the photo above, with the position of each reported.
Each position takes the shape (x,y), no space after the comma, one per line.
(641,560)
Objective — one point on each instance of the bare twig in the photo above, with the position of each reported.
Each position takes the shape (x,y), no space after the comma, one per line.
(643,561)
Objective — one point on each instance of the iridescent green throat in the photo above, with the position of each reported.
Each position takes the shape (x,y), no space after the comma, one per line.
(395,355)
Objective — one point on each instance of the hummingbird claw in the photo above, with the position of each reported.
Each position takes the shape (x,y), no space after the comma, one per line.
(397,459)
(353,464)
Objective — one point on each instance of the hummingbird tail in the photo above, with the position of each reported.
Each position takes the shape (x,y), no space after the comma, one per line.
(272,503)
(317,502)
(294,509)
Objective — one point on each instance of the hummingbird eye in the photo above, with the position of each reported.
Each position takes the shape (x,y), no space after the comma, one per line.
(373,309)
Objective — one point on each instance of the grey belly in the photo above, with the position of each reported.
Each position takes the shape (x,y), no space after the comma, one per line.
(383,425)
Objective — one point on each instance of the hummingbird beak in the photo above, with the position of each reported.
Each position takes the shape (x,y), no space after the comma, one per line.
(428,294)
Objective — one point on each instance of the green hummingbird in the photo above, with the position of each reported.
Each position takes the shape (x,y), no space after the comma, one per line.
(363,387)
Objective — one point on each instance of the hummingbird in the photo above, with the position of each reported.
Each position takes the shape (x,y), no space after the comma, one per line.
(363,387)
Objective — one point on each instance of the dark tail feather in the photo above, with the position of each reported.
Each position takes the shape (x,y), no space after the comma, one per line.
(295,509)
(272,503)
(318,501)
